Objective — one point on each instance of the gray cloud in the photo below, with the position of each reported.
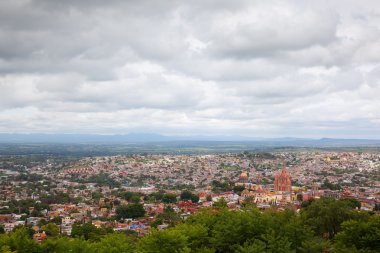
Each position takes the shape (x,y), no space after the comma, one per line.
(257,68)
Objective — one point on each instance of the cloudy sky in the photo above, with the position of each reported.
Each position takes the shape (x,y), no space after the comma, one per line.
(251,68)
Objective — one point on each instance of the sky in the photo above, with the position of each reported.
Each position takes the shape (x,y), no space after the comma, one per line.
(218,67)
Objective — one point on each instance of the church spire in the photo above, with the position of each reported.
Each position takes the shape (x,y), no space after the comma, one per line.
(282,180)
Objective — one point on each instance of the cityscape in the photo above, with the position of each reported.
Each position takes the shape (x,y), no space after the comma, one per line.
(66,192)
(211,126)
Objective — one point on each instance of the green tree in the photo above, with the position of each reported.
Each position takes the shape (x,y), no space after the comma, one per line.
(188,195)
(238,189)
(325,216)
(164,241)
(169,216)
(360,235)
(353,203)
(65,244)
(130,196)
(169,198)
(276,244)
(196,234)
(268,243)
(316,245)
(19,240)
(135,199)
(229,228)
(51,229)
(157,196)
(220,203)
(134,210)
(88,231)
(57,220)
(256,247)
(299,235)
(42,222)
(114,243)
(6,249)
(220,186)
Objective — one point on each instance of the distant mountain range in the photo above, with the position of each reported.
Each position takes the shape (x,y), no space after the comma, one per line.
(158,138)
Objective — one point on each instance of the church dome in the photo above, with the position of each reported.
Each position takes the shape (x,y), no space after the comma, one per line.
(243,177)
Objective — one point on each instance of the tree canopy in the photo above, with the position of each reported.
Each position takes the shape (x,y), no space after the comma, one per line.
(188,195)
(133,211)
(325,224)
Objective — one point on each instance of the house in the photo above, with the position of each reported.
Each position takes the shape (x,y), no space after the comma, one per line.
(39,237)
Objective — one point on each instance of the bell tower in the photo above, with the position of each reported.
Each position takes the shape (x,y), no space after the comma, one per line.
(282,181)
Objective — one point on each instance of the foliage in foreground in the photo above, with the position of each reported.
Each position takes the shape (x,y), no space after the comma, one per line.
(323,224)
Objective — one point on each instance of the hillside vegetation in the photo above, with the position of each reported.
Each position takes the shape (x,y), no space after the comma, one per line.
(324,225)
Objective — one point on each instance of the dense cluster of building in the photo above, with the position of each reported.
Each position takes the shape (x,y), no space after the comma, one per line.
(88,189)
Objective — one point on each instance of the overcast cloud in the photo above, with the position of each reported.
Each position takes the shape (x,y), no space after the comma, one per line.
(255,68)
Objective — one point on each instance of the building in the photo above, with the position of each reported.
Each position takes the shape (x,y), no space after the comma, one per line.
(39,237)
(243,178)
(282,181)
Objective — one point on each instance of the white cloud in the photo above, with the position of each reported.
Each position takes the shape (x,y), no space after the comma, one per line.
(259,68)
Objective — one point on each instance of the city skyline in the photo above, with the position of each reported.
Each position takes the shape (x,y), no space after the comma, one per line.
(307,69)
